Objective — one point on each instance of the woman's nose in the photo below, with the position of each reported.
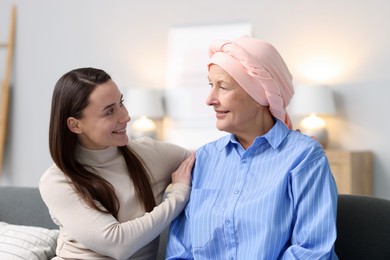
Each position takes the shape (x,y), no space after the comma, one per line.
(211,98)
(125,117)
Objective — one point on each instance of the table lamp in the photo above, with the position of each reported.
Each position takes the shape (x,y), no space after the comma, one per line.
(145,106)
(311,102)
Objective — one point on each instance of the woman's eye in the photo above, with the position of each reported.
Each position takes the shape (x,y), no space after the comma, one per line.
(110,112)
(121,102)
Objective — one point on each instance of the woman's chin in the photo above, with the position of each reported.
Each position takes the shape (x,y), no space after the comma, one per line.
(221,127)
(124,141)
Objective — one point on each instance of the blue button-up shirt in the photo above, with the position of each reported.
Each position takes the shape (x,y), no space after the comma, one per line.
(275,200)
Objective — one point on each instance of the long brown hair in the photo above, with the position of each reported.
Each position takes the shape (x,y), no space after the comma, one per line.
(70,97)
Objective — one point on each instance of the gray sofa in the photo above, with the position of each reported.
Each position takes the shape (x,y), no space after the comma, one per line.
(363,223)
(24,206)
(26,229)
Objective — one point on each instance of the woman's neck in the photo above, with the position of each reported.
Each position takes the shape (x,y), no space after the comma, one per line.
(260,128)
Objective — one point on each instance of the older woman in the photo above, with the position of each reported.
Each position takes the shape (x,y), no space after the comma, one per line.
(264,191)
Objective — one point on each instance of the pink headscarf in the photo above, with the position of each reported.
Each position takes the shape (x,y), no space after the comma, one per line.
(259,69)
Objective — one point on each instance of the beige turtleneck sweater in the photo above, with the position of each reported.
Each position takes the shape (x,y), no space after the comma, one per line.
(86,233)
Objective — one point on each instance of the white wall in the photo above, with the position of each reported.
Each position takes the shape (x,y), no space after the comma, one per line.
(129,40)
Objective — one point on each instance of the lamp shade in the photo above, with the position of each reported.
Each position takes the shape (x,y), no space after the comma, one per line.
(313,99)
(144,102)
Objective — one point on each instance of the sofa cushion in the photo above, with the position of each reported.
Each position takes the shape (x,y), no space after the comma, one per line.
(27,242)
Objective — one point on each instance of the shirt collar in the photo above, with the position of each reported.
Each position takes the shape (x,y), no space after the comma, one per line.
(277,134)
(274,137)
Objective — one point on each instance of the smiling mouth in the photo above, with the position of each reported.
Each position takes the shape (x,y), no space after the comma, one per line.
(120,131)
(221,112)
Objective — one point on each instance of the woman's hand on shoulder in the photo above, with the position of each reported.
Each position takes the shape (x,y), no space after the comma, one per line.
(183,173)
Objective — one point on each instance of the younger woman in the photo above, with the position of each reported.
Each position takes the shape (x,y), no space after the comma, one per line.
(104,191)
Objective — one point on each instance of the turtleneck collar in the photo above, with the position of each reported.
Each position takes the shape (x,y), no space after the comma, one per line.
(96,158)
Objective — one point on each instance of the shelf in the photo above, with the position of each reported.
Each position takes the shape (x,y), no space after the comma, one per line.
(352,171)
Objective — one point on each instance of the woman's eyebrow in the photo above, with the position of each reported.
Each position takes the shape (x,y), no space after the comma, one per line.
(113,104)
(108,106)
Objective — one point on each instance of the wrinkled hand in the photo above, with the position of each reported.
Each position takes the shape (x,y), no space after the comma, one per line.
(183,173)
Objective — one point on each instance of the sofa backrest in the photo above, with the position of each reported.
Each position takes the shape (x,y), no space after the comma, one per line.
(24,206)
(363,227)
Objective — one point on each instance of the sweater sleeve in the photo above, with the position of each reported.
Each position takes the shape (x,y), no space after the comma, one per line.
(161,159)
(101,232)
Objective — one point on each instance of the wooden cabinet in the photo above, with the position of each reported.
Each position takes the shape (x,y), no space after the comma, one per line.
(352,171)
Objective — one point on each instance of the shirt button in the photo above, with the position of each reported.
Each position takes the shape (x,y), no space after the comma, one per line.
(243,161)
(236,191)
(231,258)
(227,222)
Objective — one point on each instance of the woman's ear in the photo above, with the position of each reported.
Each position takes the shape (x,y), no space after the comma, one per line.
(73,125)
